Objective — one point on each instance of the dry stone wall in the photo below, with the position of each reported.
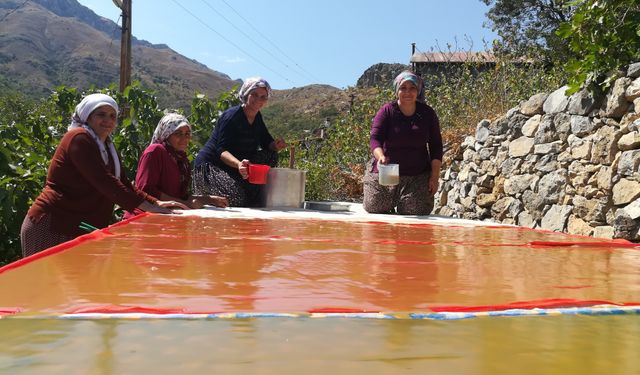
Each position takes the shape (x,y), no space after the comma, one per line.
(568,164)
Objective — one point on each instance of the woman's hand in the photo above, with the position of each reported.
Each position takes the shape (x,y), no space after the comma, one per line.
(161,207)
(172,204)
(434,183)
(212,200)
(243,168)
(217,201)
(278,144)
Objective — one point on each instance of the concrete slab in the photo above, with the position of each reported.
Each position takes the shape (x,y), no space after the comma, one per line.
(332,211)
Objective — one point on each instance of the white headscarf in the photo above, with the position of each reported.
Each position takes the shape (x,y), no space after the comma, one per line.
(251,84)
(79,119)
(167,125)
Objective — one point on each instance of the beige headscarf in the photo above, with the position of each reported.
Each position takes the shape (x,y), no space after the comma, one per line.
(167,125)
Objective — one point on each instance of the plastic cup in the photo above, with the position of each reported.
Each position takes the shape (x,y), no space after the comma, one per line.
(258,173)
(388,174)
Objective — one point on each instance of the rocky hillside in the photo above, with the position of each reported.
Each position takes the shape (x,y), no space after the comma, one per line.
(381,75)
(45,43)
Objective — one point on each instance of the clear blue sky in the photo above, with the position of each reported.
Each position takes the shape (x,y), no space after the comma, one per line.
(294,43)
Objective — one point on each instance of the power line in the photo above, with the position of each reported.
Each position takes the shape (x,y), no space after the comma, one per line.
(270,42)
(230,42)
(251,39)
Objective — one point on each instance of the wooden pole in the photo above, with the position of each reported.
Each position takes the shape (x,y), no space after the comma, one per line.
(125,46)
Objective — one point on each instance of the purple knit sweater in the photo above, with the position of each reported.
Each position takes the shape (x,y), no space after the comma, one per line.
(411,141)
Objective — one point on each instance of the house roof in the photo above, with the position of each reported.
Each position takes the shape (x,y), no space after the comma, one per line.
(452,57)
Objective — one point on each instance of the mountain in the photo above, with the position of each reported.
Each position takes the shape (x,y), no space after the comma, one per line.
(46,43)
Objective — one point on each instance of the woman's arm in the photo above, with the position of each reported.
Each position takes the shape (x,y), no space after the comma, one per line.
(434,179)
(379,134)
(233,162)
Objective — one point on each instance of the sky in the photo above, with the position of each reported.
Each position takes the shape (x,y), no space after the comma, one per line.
(294,43)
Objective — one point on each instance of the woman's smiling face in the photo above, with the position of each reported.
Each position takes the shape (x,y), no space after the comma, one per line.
(180,138)
(103,121)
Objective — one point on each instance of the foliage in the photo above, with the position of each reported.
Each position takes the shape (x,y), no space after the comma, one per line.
(30,133)
(527,27)
(335,165)
(204,116)
(605,36)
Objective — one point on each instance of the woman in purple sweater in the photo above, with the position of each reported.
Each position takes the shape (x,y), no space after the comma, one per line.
(404,132)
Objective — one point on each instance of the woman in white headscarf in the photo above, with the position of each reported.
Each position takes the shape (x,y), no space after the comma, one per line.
(239,138)
(84,182)
(164,170)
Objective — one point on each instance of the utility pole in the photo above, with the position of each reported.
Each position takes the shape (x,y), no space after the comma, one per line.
(413,52)
(125,44)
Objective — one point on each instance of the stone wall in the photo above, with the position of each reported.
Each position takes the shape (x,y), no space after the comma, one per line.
(569,164)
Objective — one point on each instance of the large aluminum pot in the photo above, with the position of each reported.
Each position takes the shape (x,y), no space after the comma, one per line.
(285,188)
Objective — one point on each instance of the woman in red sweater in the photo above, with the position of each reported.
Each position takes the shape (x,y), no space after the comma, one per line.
(164,170)
(84,181)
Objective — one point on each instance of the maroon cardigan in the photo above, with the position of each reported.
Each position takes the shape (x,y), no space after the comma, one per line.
(81,188)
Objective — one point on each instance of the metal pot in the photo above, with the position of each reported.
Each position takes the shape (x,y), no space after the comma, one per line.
(284,188)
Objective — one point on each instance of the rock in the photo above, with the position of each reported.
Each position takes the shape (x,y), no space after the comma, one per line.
(518,184)
(531,126)
(521,147)
(605,146)
(525,219)
(629,141)
(624,226)
(578,226)
(546,132)
(629,163)
(617,104)
(633,91)
(634,70)
(486,200)
(582,126)
(633,209)
(625,191)
(604,231)
(501,208)
(556,102)
(556,218)
(533,106)
(604,178)
(551,186)
(582,103)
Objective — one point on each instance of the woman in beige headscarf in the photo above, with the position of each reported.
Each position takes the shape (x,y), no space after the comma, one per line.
(164,170)
(84,182)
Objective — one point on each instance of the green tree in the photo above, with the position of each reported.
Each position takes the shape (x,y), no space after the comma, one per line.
(527,27)
(605,36)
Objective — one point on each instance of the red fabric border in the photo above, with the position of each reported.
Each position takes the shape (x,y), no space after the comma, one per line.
(100,233)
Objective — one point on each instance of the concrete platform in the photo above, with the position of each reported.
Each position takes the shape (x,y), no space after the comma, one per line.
(331,210)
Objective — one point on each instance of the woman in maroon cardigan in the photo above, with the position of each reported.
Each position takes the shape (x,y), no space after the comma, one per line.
(84,181)
(164,170)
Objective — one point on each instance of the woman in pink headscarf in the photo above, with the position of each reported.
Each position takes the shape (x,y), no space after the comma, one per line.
(84,182)
(405,131)
(164,170)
